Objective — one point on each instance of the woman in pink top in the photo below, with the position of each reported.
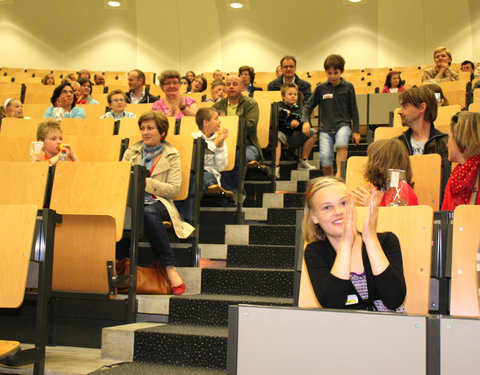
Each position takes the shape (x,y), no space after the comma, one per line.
(174,104)
(383,155)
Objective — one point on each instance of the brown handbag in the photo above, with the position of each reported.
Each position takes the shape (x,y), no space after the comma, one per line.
(150,280)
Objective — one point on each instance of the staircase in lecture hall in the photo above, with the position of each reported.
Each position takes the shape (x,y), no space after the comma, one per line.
(259,270)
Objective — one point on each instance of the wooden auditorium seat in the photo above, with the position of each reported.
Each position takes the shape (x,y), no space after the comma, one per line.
(271,96)
(184,146)
(444,115)
(20,127)
(464,293)
(139,109)
(15,148)
(474,107)
(92,198)
(413,226)
(96,148)
(129,129)
(426,170)
(94,111)
(35,110)
(455,91)
(85,126)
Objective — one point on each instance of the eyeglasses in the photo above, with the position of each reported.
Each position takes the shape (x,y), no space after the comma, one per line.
(118,100)
(176,83)
(288,66)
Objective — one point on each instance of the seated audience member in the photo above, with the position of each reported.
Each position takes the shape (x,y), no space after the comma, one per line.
(70,77)
(50,133)
(338,118)
(190,75)
(48,79)
(217,91)
(117,102)
(383,156)
(63,104)
(278,71)
(138,92)
(174,104)
(199,84)
(185,85)
(84,73)
(349,269)
(476,73)
(290,131)
(463,148)
(99,79)
(393,83)
(442,100)
(418,111)
(86,89)
(247,75)
(218,75)
(289,67)
(468,66)
(77,92)
(245,108)
(441,72)
(12,107)
(216,157)
(163,161)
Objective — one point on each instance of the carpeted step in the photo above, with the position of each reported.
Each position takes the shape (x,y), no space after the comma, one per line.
(248,282)
(281,216)
(261,234)
(182,345)
(141,368)
(252,256)
(293,200)
(212,309)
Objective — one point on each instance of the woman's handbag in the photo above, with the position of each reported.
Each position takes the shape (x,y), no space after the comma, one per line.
(150,280)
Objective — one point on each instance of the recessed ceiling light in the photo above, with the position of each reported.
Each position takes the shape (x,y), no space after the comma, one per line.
(355,1)
(114,3)
(237,4)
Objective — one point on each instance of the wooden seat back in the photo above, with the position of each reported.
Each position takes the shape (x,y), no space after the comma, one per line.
(93,111)
(139,109)
(474,107)
(20,127)
(84,126)
(413,225)
(96,148)
(23,183)
(129,128)
(426,170)
(263,126)
(464,300)
(184,146)
(17,233)
(444,115)
(189,126)
(13,148)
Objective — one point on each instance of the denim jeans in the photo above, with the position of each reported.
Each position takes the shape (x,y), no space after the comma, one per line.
(326,143)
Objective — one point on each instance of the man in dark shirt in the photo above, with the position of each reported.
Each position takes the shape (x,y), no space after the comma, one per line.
(138,93)
(289,67)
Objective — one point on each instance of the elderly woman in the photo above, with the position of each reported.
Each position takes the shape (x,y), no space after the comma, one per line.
(63,104)
(199,84)
(174,104)
(86,90)
(463,148)
(441,72)
(163,185)
(247,75)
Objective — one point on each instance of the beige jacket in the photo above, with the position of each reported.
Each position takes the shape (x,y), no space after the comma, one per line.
(432,75)
(164,182)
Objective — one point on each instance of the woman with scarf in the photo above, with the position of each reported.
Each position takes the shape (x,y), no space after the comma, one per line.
(163,161)
(463,148)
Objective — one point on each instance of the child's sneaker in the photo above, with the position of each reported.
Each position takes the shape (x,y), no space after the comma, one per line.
(303,164)
(277,172)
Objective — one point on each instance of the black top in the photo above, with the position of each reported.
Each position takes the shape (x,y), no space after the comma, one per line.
(332,292)
(303,86)
(147,98)
(337,106)
(286,115)
(436,143)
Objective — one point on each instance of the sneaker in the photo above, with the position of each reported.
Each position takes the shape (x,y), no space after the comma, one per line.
(277,172)
(303,164)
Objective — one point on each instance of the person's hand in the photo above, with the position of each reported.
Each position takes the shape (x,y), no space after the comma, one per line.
(356,137)
(306,129)
(222,134)
(370,224)
(294,123)
(362,196)
(69,151)
(349,224)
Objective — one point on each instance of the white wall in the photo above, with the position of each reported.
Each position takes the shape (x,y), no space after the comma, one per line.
(204,35)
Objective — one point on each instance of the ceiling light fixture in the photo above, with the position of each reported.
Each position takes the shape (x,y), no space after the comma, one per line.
(114,4)
(237,4)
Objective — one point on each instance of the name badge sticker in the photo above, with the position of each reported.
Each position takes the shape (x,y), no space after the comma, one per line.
(327,96)
(352,299)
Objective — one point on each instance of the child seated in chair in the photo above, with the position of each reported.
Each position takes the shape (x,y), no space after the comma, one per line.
(290,132)
(50,133)
(216,158)
(117,102)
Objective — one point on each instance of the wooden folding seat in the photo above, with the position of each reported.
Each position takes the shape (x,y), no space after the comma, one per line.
(387,132)
(413,225)
(149,78)
(455,91)
(11,71)
(474,107)
(85,126)
(139,109)
(267,96)
(464,292)
(157,91)
(39,72)
(92,198)
(426,171)
(37,93)
(15,148)
(19,127)
(205,104)
(116,85)
(97,91)
(14,89)
(264,118)
(96,148)
(93,111)
(35,110)
(476,95)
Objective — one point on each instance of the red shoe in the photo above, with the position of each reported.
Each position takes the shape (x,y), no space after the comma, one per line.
(179,289)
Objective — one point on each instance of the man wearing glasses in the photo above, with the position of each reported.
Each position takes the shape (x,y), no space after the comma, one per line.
(289,67)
